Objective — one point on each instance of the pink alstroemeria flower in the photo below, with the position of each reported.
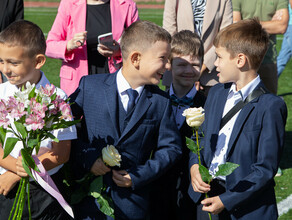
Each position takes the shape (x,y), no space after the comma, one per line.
(66,111)
(18,111)
(38,108)
(34,122)
(48,90)
(4,121)
(3,107)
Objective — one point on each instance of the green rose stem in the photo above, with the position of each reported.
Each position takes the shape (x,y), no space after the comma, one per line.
(199,157)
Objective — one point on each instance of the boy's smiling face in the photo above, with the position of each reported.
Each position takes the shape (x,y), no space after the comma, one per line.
(185,70)
(226,66)
(17,66)
(154,62)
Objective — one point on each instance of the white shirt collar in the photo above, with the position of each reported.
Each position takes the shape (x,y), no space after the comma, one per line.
(247,89)
(123,85)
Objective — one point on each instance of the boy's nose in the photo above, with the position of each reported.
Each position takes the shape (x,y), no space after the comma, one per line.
(4,68)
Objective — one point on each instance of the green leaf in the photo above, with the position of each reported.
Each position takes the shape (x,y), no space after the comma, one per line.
(2,135)
(226,169)
(191,145)
(32,143)
(24,164)
(206,177)
(96,186)
(105,206)
(104,201)
(53,97)
(32,93)
(21,129)
(50,135)
(28,160)
(9,145)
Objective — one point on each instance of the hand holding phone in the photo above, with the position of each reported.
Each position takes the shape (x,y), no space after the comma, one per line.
(106,39)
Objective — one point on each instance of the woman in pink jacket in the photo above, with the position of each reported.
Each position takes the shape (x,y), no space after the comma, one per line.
(73,37)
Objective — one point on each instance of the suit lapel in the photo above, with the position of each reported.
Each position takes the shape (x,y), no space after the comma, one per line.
(213,121)
(239,123)
(111,97)
(139,111)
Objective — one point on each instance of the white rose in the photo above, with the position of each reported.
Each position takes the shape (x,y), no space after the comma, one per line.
(111,156)
(194,116)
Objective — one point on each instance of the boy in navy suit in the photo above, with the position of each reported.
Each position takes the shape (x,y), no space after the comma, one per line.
(145,136)
(252,138)
(170,198)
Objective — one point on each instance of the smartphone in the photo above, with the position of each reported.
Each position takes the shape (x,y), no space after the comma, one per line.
(106,39)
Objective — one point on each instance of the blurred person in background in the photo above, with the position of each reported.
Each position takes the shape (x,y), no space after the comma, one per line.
(74,37)
(10,11)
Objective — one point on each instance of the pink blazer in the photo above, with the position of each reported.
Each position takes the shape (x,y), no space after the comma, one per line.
(71,19)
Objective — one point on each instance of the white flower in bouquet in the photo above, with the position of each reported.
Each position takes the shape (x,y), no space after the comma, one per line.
(111,156)
(194,116)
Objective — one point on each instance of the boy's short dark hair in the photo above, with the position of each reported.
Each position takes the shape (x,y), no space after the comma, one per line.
(140,36)
(24,34)
(186,43)
(247,37)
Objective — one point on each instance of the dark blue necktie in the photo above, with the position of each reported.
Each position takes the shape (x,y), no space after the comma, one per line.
(133,94)
(185,101)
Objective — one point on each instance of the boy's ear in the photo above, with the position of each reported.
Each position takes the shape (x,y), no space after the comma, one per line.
(40,60)
(135,58)
(241,60)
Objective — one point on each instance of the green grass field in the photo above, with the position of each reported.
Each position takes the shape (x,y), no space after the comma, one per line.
(44,17)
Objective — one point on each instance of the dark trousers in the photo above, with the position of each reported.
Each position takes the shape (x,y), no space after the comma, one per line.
(43,205)
(217,188)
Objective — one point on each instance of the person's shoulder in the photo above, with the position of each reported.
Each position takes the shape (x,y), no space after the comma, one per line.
(157,92)
(96,78)
(219,87)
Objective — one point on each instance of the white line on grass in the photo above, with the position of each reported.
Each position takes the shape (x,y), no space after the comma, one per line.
(285,205)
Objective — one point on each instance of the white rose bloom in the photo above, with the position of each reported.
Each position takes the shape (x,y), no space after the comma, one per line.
(111,156)
(194,116)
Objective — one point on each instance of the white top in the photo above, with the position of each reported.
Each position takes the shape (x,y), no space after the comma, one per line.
(6,90)
(224,134)
(123,86)
(179,109)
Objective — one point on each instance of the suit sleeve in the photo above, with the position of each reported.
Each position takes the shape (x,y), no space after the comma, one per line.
(83,153)
(167,153)
(169,16)
(270,146)
(227,17)
(57,37)
(19,13)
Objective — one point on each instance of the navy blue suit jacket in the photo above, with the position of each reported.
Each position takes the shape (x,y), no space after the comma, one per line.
(149,144)
(255,144)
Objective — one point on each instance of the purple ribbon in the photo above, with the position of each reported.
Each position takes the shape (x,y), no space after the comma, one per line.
(45,181)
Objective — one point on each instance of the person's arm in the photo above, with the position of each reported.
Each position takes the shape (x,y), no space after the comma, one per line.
(278,24)
(290,1)
(57,37)
(56,156)
(19,11)
(168,151)
(236,16)
(210,56)
(270,146)
(169,16)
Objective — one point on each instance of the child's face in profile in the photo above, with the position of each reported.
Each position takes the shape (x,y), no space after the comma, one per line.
(226,66)
(185,70)
(16,65)
(154,62)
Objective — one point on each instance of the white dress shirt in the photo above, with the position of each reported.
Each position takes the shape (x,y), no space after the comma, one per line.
(225,133)
(123,86)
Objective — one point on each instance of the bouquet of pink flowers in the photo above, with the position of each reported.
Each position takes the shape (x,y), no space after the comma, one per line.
(30,116)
